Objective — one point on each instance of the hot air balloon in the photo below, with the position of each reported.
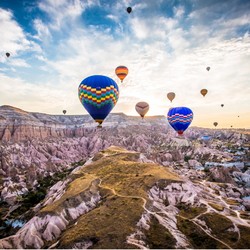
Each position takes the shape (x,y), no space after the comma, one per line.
(121,72)
(64,111)
(180,118)
(238,116)
(231,126)
(129,10)
(98,94)
(208,68)
(171,96)
(7,54)
(215,124)
(204,92)
(142,108)
(222,105)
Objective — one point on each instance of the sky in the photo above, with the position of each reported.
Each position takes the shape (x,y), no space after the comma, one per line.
(166,45)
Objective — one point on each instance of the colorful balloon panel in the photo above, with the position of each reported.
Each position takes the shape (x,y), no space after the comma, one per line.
(180,118)
(121,72)
(98,94)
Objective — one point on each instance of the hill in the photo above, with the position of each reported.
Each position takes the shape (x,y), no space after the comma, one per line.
(118,199)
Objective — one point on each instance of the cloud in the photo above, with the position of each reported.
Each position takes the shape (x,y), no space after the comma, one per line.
(13,39)
(18,63)
(60,11)
(42,29)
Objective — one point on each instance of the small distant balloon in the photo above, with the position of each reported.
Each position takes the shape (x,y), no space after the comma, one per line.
(171,96)
(121,72)
(231,126)
(204,92)
(7,54)
(129,10)
(222,105)
(238,116)
(64,111)
(142,108)
(215,124)
(208,68)
(180,118)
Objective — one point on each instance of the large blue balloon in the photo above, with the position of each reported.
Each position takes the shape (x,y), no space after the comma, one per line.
(180,118)
(98,94)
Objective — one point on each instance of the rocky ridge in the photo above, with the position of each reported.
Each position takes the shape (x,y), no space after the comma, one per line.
(33,167)
(117,201)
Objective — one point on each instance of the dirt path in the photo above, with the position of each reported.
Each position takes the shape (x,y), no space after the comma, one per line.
(127,196)
(205,231)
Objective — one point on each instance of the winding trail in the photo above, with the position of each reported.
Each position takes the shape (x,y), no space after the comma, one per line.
(127,196)
(205,231)
(157,213)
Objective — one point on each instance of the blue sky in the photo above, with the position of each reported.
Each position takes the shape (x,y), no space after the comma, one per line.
(166,44)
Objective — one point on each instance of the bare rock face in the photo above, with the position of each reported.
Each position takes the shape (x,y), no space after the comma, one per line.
(221,174)
(49,226)
(194,163)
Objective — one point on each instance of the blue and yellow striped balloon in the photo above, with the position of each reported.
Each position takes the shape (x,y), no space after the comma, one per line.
(180,118)
(98,94)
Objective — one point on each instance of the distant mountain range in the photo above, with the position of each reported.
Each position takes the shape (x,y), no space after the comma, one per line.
(17,124)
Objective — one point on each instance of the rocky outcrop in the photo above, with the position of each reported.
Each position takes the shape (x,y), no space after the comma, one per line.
(46,227)
(122,189)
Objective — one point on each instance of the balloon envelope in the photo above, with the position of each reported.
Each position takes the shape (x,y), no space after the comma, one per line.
(7,54)
(222,105)
(142,108)
(204,92)
(180,118)
(121,72)
(208,68)
(64,111)
(215,124)
(171,96)
(98,94)
(129,10)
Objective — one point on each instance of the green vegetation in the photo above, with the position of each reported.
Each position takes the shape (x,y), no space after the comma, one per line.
(190,212)
(216,206)
(78,163)
(187,158)
(33,197)
(118,170)
(232,202)
(158,237)
(221,227)
(244,241)
(196,236)
(245,215)
(75,187)
(124,183)
(107,226)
